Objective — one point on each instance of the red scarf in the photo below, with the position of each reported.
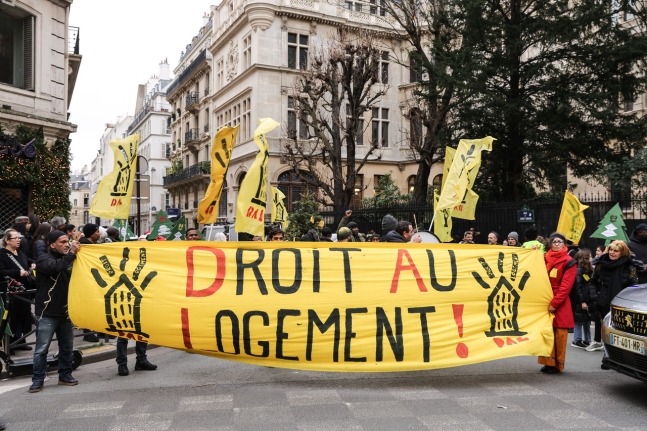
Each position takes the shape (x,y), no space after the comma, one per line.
(553,256)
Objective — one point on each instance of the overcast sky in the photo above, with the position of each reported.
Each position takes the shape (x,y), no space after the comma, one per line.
(122,43)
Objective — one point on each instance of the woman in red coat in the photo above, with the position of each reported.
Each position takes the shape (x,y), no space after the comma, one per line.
(561,273)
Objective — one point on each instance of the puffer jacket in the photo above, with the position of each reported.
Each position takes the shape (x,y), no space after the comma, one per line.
(583,291)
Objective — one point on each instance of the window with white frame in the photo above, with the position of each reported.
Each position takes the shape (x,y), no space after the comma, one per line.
(377,7)
(359,130)
(220,73)
(380,126)
(297,51)
(247,52)
(357,6)
(17,49)
(295,128)
(235,114)
(245,131)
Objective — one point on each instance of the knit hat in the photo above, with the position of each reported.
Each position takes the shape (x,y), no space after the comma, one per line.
(351,225)
(22,219)
(513,235)
(388,224)
(54,236)
(557,235)
(89,229)
(343,233)
(641,226)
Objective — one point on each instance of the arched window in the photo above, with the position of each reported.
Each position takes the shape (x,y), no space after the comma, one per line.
(411,184)
(293,187)
(437,182)
(241,178)
(222,205)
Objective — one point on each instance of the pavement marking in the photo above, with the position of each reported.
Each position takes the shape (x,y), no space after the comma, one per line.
(10,386)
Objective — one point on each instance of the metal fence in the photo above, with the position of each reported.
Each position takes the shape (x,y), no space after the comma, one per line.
(500,217)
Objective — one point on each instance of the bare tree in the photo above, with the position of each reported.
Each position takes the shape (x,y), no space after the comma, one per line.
(329,101)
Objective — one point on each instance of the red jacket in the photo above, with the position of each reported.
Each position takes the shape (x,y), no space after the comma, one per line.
(562,281)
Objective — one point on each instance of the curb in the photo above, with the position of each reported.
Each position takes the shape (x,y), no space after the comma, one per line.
(105,353)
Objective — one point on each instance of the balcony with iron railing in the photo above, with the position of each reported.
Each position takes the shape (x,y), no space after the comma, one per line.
(199,169)
(73,40)
(153,107)
(192,136)
(192,101)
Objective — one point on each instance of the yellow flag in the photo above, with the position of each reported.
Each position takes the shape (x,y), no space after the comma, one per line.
(115,191)
(466,160)
(466,209)
(252,197)
(571,219)
(449,158)
(279,211)
(223,145)
(442,222)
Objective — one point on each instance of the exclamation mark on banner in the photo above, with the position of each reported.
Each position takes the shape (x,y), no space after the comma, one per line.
(461,350)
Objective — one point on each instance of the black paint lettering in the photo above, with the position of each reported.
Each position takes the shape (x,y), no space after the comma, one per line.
(297,271)
(247,339)
(313,319)
(316,280)
(432,272)
(350,334)
(280,335)
(396,342)
(241,267)
(347,274)
(423,323)
(235,331)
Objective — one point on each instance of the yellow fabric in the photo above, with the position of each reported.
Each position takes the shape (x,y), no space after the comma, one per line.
(557,356)
(460,178)
(279,211)
(115,190)
(466,209)
(252,196)
(319,306)
(442,221)
(571,220)
(223,145)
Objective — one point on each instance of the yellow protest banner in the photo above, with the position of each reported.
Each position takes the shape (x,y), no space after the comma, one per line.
(442,221)
(319,306)
(466,159)
(223,145)
(115,190)
(279,211)
(252,196)
(571,219)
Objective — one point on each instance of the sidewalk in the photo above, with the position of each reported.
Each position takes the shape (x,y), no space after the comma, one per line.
(92,352)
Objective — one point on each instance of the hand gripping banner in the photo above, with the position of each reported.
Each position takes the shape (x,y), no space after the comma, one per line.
(324,306)
(115,190)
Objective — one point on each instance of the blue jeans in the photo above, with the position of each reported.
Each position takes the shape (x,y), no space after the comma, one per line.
(46,327)
(582,332)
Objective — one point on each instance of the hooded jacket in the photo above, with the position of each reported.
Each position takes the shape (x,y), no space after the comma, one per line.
(393,236)
(53,273)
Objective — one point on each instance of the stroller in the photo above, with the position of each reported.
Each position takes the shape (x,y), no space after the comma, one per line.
(20,366)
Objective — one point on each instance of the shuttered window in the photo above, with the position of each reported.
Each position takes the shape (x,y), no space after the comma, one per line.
(17,50)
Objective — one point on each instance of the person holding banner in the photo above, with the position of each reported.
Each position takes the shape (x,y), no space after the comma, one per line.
(562,271)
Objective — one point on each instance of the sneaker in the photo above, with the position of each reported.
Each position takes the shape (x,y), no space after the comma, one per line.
(67,380)
(37,386)
(549,370)
(594,346)
(122,370)
(91,338)
(145,365)
(578,345)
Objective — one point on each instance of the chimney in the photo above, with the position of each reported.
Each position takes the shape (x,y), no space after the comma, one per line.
(205,19)
(164,69)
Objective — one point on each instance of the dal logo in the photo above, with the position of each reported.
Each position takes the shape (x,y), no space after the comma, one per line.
(124,296)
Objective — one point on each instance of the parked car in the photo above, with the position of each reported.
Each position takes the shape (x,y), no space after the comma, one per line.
(624,332)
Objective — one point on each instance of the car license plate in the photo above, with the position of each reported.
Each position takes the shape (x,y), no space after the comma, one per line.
(626,343)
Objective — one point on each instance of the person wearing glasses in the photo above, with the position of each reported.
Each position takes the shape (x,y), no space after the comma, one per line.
(562,270)
(17,265)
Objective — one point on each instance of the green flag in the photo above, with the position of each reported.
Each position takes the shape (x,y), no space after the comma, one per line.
(124,230)
(161,227)
(179,231)
(612,227)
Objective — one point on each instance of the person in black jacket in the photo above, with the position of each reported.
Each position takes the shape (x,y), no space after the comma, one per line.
(638,246)
(581,300)
(53,273)
(402,233)
(16,264)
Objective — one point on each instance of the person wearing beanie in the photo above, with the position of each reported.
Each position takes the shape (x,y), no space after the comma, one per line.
(354,228)
(344,234)
(562,270)
(638,246)
(531,242)
(388,224)
(513,239)
(53,272)
(91,234)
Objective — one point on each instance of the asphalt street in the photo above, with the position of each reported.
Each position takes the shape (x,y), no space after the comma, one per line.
(192,392)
